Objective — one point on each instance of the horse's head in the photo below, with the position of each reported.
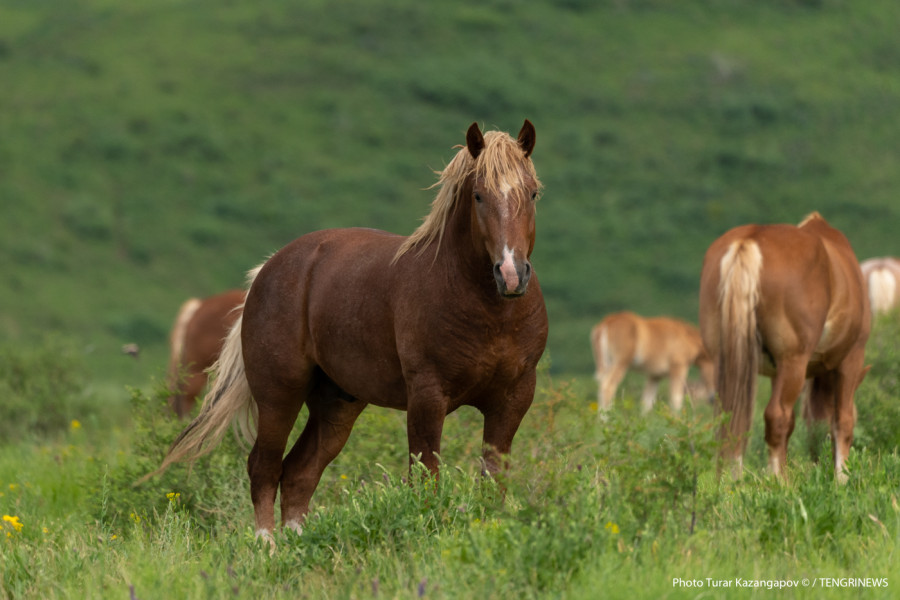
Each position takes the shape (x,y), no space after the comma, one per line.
(503,190)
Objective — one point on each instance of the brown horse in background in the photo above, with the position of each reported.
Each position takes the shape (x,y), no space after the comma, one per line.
(195,342)
(658,347)
(339,319)
(789,303)
(882,276)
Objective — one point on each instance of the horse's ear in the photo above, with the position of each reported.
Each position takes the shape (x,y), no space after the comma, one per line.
(527,138)
(474,140)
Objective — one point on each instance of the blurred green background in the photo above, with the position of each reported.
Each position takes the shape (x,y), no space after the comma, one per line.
(156,150)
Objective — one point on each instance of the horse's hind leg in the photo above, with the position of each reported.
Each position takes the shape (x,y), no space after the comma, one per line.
(779,413)
(848,378)
(278,410)
(192,389)
(332,414)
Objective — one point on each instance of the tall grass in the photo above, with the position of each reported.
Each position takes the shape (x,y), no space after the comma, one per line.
(619,507)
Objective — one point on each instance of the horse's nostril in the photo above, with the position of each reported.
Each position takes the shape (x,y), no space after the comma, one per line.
(527,269)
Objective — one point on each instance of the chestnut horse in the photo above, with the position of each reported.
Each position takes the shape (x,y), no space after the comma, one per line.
(789,303)
(882,276)
(196,339)
(657,347)
(339,319)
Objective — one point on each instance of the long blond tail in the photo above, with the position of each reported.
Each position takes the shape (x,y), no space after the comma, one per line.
(229,402)
(176,341)
(739,347)
(882,288)
(599,349)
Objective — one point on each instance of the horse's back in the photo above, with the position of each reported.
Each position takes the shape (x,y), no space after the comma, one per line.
(618,335)
(811,293)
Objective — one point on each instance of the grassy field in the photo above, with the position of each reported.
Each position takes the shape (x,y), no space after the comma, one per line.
(629,507)
(155,150)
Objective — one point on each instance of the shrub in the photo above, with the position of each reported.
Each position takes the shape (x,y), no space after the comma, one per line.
(42,388)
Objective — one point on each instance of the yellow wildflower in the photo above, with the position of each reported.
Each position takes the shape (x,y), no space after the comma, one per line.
(13,522)
(173,496)
(612,527)
(76,424)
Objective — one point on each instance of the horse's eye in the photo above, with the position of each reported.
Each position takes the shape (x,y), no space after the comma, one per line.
(533,196)
(477,197)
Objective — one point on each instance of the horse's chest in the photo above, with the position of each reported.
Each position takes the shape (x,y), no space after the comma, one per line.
(481,359)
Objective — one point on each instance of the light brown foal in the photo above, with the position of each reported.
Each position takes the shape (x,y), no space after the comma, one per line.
(659,347)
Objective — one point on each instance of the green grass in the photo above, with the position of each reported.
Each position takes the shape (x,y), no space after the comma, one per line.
(626,506)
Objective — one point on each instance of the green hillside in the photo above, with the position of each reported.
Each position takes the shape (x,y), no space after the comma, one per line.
(153,150)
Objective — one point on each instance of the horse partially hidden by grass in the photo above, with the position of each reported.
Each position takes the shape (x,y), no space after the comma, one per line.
(195,342)
(659,347)
(882,277)
(339,319)
(789,303)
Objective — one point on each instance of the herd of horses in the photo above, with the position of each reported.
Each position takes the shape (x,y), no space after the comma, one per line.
(453,315)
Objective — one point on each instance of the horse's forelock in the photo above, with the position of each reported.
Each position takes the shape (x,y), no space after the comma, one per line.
(502,162)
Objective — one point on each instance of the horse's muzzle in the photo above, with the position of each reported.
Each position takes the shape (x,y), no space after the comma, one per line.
(512,277)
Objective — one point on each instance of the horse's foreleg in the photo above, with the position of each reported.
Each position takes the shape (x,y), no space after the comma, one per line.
(779,413)
(502,420)
(648,397)
(425,414)
(677,384)
(609,381)
(331,419)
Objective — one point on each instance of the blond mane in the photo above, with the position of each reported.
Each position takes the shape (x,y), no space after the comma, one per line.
(501,160)
(810,217)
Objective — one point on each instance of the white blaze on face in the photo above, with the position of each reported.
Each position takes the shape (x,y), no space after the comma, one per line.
(508,270)
(508,266)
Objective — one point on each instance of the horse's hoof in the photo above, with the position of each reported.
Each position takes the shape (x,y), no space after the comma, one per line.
(295,526)
(267,537)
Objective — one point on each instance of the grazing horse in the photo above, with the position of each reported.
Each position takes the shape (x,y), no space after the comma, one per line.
(196,339)
(882,276)
(789,303)
(658,347)
(339,319)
